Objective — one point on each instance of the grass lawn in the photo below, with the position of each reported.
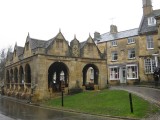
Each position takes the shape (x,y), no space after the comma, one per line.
(107,102)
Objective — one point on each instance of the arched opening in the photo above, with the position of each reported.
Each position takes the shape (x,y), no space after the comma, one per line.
(16,75)
(21,75)
(27,74)
(57,73)
(90,76)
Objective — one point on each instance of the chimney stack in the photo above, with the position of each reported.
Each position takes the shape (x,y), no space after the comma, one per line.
(147,7)
(113,29)
(97,35)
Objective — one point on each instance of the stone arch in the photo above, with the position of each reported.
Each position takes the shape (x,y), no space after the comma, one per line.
(21,75)
(94,74)
(27,73)
(57,72)
(15,75)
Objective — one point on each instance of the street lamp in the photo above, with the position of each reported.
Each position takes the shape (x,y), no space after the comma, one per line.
(62,84)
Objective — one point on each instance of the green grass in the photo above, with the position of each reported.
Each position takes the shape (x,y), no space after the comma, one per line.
(107,102)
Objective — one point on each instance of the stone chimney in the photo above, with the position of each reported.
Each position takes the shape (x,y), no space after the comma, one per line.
(97,35)
(147,7)
(113,29)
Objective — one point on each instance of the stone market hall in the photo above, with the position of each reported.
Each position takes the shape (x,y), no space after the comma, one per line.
(40,66)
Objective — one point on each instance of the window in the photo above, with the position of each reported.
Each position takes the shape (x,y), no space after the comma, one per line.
(114,56)
(132,72)
(114,73)
(131,53)
(59,44)
(131,40)
(114,43)
(150,65)
(151,21)
(149,42)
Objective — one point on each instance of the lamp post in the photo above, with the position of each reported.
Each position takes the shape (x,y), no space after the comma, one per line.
(62,84)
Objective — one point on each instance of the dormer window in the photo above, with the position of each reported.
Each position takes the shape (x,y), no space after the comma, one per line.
(131,40)
(151,21)
(114,43)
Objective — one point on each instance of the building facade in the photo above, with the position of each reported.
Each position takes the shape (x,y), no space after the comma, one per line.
(132,55)
(43,65)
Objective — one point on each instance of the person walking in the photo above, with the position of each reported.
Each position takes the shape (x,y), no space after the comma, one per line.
(156,76)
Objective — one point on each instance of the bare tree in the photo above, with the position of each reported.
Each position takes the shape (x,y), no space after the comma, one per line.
(3,54)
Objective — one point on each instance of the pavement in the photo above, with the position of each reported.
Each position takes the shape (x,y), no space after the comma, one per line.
(150,94)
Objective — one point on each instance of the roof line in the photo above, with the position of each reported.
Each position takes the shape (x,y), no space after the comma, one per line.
(120,31)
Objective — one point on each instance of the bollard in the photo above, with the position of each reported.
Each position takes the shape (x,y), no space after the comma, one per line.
(131,105)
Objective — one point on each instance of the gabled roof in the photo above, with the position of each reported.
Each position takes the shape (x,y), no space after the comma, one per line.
(9,55)
(82,44)
(47,44)
(20,50)
(35,43)
(119,35)
(144,28)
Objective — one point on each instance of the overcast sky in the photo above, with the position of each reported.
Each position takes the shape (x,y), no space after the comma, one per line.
(43,18)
